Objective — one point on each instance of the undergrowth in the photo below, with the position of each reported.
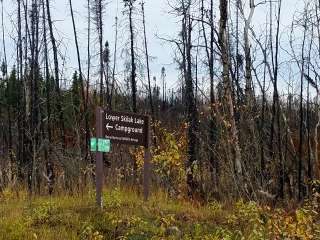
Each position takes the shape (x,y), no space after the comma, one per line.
(126,216)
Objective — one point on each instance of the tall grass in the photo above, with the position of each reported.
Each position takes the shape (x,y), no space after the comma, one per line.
(126,216)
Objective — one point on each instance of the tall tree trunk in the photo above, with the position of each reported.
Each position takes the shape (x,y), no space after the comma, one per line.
(99,22)
(133,64)
(301,127)
(308,125)
(278,109)
(317,112)
(114,62)
(56,76)
(49,162)
(81,82)
(133,72)
(21,103)
(3,43)
(228,88)
(4,69)
(148,70)
(35,110)
(247,52)
(192,114)
(87,127)
(27,159)
(214,164)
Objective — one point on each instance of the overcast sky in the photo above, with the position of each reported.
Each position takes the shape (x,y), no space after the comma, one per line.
(159,23)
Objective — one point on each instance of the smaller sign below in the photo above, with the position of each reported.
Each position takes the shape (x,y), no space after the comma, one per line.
(93,144)
(102,145)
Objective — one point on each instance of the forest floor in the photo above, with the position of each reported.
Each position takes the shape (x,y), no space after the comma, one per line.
(127,216)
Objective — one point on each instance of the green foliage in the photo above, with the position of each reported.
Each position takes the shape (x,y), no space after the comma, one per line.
(2,91)
(76,92)
(126,216)
(168,159)
(12,90)
(113,198)
(44,213)
(88,233)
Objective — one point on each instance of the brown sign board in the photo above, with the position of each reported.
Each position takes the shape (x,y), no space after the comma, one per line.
(126,128)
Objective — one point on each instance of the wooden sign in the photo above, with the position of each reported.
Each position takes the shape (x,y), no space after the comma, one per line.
(126,128)
(122,128)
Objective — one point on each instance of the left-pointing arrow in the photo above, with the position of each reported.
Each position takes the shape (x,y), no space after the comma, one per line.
(108,127)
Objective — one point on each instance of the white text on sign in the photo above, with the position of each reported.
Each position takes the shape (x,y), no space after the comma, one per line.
(123,118)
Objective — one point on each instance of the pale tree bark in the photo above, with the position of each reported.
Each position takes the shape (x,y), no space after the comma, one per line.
(247,51)
(228,87)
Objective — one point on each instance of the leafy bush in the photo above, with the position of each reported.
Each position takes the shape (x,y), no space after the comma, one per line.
(126,216)
(45,213)
(168,158)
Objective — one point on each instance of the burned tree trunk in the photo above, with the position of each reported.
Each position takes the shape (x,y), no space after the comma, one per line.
(227,83)
(214,164)
(192,113)
(49,162)
(247,51)
(133,64)
(56,76)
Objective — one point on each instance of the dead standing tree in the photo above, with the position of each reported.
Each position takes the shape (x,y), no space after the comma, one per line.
(56,75)
(148,70)
(33,111)
(130,5)
(184,45)
(98,8)
(227,83)
(210,53)
(4,71)
(88,81)
(147,59)
(192,113)
(81,78)
(21,102)
(247,52)
(49,162)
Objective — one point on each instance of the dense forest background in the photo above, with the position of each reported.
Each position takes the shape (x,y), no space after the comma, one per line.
(233,126)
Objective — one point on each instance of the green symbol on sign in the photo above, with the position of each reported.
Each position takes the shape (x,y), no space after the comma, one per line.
(103,145)
(93,144)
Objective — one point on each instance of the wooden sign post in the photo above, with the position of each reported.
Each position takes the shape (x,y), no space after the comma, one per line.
(122,128)
(131,129)
(146,165)
(99,156)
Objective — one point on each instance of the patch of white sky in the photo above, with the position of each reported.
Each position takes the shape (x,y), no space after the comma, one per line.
(159,23)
